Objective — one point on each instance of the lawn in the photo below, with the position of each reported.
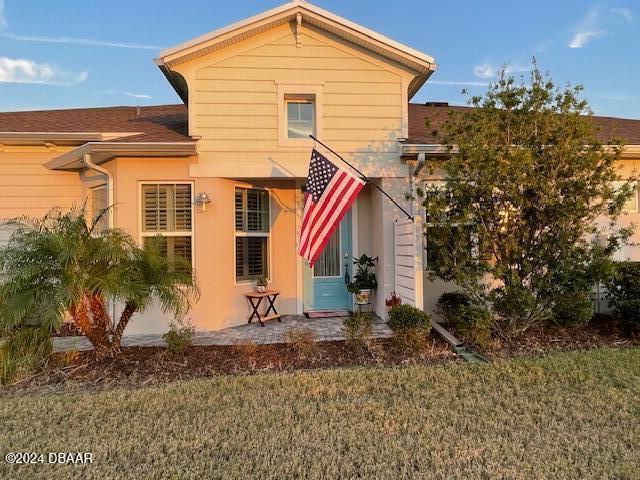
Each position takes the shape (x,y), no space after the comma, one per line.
(567,415)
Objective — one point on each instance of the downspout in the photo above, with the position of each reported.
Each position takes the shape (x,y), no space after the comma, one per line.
(89,164)
(86,160)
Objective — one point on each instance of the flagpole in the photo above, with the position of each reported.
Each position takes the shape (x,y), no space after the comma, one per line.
(364,177)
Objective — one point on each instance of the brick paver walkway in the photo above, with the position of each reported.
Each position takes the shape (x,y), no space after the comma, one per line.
(272,332)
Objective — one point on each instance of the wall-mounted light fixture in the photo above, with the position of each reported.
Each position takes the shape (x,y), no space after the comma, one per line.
(202,200)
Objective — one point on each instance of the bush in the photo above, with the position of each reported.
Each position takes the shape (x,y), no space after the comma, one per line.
(573,308)
(623,292)
(179,337)
(410,326)
(513,304)
(450,305)
(303,341)
(474,322)
(23,352)
(357,329)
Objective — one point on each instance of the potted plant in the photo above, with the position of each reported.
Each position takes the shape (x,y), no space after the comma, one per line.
(261,284)
(364,280)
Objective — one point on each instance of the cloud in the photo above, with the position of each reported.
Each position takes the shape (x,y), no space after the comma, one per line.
(485,70)
(79,41)
(138,95)
(27,71)
(623,13)
(460,83)
(3,19)
(580,39)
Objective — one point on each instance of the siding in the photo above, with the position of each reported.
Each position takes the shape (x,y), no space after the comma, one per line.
(234,103)
(28,188)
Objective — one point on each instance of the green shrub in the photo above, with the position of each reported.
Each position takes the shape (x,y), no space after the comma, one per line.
(623,292)
(411,327)
(23,352)
(179,337)
(474,322)
(573,308)
(357,329)
(513,304)
(450,306)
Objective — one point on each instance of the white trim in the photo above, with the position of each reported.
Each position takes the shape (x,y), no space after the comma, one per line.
(142,235)
(303,90)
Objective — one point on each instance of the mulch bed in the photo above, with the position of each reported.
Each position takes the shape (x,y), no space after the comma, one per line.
(144,366)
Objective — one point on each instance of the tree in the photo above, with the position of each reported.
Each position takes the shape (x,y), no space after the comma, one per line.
(61,264)
(526,180)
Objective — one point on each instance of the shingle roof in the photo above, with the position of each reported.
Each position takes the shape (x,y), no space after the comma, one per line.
(420,133)
(162,123)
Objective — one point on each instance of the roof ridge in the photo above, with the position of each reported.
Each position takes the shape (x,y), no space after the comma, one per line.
(113,107)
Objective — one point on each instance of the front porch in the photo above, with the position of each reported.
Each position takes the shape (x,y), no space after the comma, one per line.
(325,329)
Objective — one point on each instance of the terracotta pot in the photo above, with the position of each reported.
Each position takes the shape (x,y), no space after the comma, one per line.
(362,297)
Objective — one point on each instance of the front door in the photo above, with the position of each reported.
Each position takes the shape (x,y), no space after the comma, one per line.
(332,270)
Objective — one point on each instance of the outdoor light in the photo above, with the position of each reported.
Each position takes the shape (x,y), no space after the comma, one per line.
(202,200)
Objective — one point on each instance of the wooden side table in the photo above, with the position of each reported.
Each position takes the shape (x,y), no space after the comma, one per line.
(255,299)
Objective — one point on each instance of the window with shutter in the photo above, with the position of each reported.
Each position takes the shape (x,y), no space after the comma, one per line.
(252,233)
(167,211)
(99,200)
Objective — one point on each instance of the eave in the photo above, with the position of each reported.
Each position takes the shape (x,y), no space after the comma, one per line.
(102,152)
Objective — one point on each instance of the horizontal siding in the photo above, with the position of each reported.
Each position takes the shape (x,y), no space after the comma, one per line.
(29,188)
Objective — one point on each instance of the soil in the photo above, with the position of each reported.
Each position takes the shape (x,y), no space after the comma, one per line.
(143,366)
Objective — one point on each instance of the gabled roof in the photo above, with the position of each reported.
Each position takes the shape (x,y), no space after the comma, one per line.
(422,64)
(162,123)
(422,134)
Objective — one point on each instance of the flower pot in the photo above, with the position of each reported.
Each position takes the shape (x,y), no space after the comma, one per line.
(262,288)
(362,297)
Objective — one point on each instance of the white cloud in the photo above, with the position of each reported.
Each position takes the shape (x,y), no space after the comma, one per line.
(3,18)
(460,83)
(485,70)
(623,13)
(581,38)
(27,71)
(138,95)
(79,41)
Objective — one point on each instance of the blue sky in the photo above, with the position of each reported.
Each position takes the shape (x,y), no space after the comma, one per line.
(83,53)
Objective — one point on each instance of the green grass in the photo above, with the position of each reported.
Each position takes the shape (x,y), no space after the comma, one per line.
(571,415)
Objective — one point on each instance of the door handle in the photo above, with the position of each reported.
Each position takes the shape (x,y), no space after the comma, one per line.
(347,277)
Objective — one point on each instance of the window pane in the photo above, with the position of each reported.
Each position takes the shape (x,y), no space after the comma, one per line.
(252,210)
(174,248)
(300,119)
(328,263)
(240,225)
(167,208)
(251,257)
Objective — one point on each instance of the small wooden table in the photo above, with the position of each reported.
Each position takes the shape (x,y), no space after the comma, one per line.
(255,299)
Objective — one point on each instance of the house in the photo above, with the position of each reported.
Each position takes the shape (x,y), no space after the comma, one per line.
(220,176)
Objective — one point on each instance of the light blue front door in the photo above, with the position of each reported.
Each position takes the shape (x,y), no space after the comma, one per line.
(333,270)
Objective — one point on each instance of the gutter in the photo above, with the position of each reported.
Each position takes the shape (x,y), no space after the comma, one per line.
(86,160)
(73,160)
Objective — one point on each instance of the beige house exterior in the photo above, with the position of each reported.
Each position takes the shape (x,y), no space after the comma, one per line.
(232,140)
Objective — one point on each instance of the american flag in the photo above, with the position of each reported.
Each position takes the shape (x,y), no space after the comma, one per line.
(329,195)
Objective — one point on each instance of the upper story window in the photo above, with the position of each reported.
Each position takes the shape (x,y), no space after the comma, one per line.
(301,116)
(167,211)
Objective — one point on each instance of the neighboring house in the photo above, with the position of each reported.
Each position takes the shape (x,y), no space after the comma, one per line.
(252,93)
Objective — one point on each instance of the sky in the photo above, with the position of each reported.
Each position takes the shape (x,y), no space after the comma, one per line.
(100,53)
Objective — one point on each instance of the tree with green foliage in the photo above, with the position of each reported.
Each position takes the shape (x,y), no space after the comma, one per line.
(62,264)
(528,182)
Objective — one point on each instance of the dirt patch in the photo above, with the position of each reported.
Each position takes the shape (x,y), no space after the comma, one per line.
(143,366)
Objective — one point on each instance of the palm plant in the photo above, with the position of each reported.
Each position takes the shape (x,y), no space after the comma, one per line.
(62,264)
